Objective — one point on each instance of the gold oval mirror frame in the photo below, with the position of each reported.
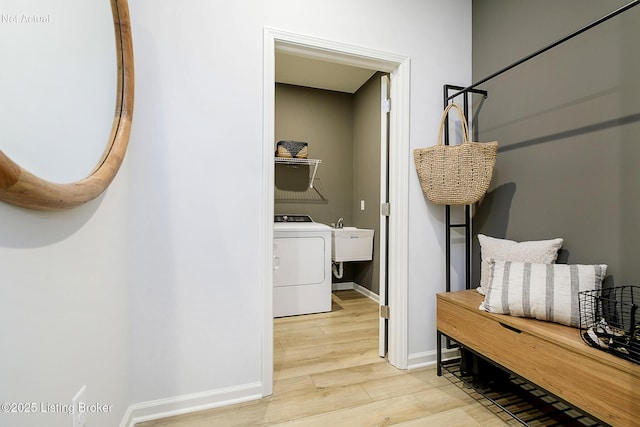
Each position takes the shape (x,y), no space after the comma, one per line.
(22,188)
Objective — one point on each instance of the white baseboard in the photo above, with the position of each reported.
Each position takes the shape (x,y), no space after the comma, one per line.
(360,289)
(429,358)
(179,405)
(343,286)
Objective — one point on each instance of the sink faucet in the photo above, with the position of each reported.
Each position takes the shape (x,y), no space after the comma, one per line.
(340,223)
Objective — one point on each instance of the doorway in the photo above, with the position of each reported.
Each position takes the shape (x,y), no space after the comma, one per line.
(398,156)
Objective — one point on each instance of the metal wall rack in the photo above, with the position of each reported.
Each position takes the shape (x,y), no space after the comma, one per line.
(466,225)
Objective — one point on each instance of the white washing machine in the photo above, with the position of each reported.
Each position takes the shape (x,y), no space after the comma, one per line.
(301,266)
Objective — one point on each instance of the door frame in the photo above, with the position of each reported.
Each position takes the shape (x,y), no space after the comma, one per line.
(399,68)
(383,250)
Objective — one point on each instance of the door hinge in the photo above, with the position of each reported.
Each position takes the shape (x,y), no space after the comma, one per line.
(386,105)
(384,311)
(385,209)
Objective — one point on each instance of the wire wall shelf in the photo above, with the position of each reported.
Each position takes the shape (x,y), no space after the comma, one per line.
(301,162)
(315,193)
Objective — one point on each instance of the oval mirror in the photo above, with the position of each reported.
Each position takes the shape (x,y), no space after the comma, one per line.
(58,100)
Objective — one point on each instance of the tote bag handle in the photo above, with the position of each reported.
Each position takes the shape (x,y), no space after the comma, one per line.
(463,121)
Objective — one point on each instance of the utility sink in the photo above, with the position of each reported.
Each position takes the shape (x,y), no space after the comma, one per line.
(351,244)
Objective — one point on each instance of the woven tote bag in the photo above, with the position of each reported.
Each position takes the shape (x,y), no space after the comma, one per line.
(456,174)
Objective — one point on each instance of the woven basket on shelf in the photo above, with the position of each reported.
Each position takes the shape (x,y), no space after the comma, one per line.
(456,174)
(292,149)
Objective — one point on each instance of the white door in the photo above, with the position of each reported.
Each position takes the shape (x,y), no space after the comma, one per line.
(384,217)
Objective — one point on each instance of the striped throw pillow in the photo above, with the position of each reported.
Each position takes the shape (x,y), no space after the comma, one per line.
(540,291)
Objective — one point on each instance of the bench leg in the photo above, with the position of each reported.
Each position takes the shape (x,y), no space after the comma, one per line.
(439,353)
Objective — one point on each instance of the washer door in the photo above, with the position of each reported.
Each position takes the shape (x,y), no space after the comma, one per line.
(298,261)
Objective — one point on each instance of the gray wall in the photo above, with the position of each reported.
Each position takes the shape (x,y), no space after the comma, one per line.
(343,130)
(323,119)
(568,124)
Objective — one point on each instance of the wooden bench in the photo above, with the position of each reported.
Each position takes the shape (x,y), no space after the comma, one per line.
(551,356)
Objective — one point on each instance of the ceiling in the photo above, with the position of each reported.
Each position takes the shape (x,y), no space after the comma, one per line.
(320,74)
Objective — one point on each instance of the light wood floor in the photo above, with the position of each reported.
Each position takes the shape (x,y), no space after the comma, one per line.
(327,372)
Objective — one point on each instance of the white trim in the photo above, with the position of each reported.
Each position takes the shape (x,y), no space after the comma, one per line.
(398,256)
(343,286)
(336,52)
(428,358)
(268,171)
(366,292)
(385,105)
(185,404)
(399,157)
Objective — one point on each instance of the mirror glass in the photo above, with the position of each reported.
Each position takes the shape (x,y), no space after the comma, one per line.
(58,82)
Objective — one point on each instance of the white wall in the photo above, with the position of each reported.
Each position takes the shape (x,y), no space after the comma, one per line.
(196,190)
(64,309)
(195,197)
(176,239)
(63,290)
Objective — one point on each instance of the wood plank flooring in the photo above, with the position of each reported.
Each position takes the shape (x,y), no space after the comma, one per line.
(327,372)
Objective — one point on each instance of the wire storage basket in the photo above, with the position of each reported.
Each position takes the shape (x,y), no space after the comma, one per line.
(610,320)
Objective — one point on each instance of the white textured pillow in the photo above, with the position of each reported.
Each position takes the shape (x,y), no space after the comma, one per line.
(541,291)
(539,251)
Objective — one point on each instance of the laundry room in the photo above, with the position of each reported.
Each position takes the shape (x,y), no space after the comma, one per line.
(339,185)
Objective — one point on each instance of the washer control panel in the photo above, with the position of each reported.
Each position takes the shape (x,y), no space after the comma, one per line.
(292,218)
